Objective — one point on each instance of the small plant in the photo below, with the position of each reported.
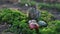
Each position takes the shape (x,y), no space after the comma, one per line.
(32,3)
(45,16)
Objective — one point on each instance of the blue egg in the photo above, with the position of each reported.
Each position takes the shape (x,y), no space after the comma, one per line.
(42,23)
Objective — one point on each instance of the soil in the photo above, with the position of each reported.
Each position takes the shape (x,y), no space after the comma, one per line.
(4,27)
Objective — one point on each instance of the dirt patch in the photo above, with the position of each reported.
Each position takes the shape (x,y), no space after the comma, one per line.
(7,33)
(3,27)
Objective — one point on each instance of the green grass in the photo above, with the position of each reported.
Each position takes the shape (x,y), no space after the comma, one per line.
(19,23)
(49,6)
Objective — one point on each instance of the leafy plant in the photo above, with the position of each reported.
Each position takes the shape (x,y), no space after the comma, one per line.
(45,16)
(32,3)
(13,17)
